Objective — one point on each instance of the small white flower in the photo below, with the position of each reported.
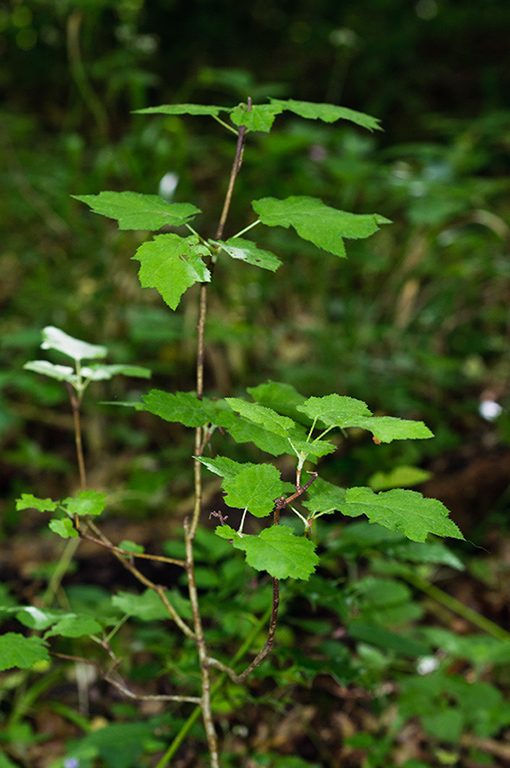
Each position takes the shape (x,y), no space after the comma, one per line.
(490,409)
(168,185)
(427,664)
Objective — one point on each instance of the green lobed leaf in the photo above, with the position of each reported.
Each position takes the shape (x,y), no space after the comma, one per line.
(181,109)
(245,431)
(322,225)
(388,428)
(315,448)
(275,550)
(254,488)
(260,117)
(172,264)
(147,606)
(260,414)
(36,618)
(329,113)
(324,497)
(28,501)
(136,211)
(72,625)
(341,411)
(58,372)
(403,510)
(54,338)
(64,528)
(21,652)
(246,250)
(223,466)
(184,407)
(399,477)
(335,410)
(279,396)
(427,552)
(86,503)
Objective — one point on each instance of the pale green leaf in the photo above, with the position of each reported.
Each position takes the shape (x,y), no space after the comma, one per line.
(22,652)
(403,510)
(329,113)
(28,501)
(246,250)
(147,606)
(181,109)
(254,488)
(260,414)
(72,625)
(260,117)
(388,428)
(136,211)
(54,338)
(86,503)
(100,372)
(172,264)
(275,550)
(335,410)
(58,372)
(399,477)
(322,225)
(36,618)
(63,528)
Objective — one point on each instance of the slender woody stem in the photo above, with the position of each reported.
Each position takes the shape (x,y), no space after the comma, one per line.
(236,167)
(201,645)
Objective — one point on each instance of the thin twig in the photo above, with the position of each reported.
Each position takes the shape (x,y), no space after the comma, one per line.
(114,548)
(131,567)
(122,687)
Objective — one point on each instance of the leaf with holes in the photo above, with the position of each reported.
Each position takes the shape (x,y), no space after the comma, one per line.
(172,264)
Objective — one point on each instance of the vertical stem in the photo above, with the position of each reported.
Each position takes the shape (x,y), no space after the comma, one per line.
(236,167)
(79,445)
(212,740)
(190,531)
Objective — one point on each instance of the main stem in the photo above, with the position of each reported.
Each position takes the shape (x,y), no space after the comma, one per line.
(190,530)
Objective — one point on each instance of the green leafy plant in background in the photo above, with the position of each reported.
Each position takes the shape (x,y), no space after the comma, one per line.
(275,418)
